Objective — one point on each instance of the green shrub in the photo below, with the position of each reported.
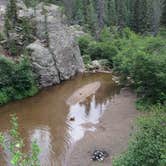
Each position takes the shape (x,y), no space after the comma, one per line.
(149,75)
(97,49)
(1,36)
(143,60)
(16,145)
(105,35)
(13,48)
(86,59)
(84,42)
(140,58)
(148,145)
(17,80)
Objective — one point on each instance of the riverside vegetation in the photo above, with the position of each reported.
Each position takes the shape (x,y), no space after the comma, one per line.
(14,143)
(129,37)
(17,78)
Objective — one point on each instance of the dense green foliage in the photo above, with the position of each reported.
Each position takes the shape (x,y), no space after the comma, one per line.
(141,58)
(163,18)
(17,80)
(16,145)
(140,15)
(148,145)
(143,16)
(105,48)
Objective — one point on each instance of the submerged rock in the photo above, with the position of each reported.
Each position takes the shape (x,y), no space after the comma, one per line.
(99,155)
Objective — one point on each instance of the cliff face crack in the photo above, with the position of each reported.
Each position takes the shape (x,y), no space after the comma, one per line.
(55,62)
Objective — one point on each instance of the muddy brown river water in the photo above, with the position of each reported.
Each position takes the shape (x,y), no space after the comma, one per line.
(57,124)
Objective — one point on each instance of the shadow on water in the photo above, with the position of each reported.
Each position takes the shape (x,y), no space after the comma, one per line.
(56,125)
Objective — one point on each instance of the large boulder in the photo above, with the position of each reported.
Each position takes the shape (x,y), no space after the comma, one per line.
(62,47)
(43,64)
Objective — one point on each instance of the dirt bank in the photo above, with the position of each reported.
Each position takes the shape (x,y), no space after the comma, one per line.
(112,132)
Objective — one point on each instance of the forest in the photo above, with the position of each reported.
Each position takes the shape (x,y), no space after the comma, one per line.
(127,37)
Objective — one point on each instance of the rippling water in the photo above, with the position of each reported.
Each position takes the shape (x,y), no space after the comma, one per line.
(56,125)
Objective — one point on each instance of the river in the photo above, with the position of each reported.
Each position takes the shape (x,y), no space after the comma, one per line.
(57,123)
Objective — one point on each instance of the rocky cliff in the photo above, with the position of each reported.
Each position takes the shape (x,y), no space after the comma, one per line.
(55,54)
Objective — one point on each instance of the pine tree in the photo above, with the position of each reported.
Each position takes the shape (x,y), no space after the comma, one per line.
(91,16)
(100,13)
(139,16)
(120,10)
(78,12)
(12,12)
(7,27)
(111,12)
(154,14)
(163,18)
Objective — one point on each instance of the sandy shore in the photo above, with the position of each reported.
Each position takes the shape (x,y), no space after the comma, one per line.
(112,132)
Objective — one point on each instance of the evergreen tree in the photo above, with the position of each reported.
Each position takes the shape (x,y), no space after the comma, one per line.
(146,16)
(120,10)
(155,11)
(92,17)
(163,18)
(100,13)
(78,12)
(139,21)
(7,27)
(12,12)
(111,12)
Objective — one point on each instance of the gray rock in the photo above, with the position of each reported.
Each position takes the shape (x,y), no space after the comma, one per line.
(63,54)
(43,64)
(96,64)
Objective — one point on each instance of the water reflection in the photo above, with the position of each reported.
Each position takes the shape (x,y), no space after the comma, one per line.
(43,137)
(85,113)
(47,118)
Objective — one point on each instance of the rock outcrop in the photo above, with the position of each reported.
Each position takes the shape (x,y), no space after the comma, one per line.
(60,58)
(44,65)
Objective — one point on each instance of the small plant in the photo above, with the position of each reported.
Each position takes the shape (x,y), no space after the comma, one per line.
(1,36)
(16,145)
